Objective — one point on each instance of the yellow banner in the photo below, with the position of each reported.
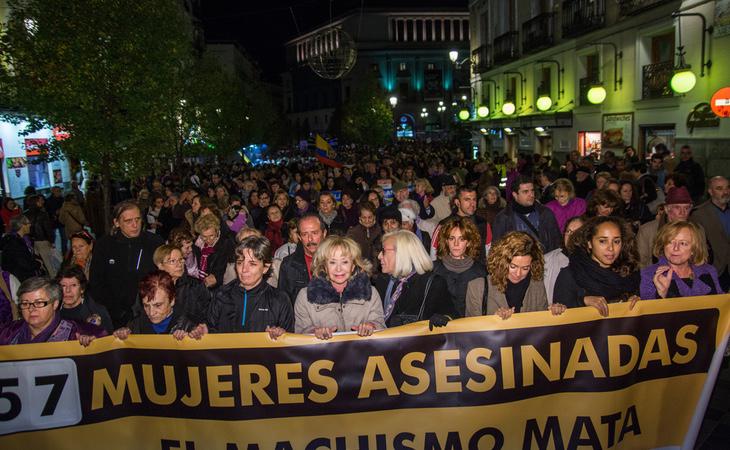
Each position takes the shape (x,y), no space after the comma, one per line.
(638,379)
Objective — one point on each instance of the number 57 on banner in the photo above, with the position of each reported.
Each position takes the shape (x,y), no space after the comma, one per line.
(35,395)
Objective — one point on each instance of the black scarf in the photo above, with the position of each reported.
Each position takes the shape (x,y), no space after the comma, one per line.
(524,210)
(599,281)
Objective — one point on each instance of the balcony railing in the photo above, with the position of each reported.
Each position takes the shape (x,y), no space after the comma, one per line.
(506,47)
(481,59)
(631,7)
(538,33)
(655,80)
(582,16)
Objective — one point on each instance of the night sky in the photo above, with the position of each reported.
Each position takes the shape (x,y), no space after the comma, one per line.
(262,27)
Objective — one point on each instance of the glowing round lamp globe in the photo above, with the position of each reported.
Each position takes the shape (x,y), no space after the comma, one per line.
(482,111)
(464,114)
(596,95)
(544,103)
(508,108)
(683,82)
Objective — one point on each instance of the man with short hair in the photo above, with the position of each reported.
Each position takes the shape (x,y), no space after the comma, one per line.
(465,203)
(694,173)
(677,206)
(714,216)
(296,269)
(656,168)
(524,214)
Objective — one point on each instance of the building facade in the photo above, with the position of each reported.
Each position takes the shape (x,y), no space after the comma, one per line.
(407,51)
(522,50)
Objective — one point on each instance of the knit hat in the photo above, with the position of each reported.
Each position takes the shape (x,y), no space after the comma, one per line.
(678,195)
(304,195)
(398,185)
(408,215)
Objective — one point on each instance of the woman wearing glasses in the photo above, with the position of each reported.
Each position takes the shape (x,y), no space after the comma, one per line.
(39,300)
(191,296)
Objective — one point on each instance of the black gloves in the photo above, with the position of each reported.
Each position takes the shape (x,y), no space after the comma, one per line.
(438,320)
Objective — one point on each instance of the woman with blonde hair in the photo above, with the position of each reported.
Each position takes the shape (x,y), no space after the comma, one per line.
(423,194)
(516,268)
(339,296)
(682,270)
(216,250)
(566,205)
(457,253)
(410,289)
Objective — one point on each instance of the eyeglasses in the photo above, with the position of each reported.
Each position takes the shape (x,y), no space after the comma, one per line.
(38,304)
(175,262)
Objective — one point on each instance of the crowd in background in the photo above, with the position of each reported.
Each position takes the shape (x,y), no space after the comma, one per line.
(411,232)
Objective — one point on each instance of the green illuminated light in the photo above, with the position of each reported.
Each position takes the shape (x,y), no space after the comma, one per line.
(464,114)
(683,81)
(482,111)
(508,108)
(596,95)
(544,103)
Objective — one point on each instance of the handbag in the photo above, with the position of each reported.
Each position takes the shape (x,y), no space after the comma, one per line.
(405,319)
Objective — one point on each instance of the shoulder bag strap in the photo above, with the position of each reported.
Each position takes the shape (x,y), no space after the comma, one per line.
(425,295)
(529,224)
(6,290)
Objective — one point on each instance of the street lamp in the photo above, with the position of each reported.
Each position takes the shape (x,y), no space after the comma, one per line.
(483,111)
(596,94)
(544,102)
(464,114)
(684,79)
(393,101)
(453,55)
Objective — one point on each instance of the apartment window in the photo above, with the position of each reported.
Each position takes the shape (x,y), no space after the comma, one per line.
(662,47)
(375,68)
(429,30)
(430,66)
(403,67)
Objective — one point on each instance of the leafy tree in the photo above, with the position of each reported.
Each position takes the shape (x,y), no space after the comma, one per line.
(103,71)
(366,117)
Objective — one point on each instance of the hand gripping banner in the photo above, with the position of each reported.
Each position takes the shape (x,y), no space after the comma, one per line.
(638,379)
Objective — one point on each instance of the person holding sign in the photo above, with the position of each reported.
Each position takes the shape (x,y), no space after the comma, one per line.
(39,299)
(157,295)
(339,296)
(410,289)
(516,269)
(249,303)
(603,266)
(682,270)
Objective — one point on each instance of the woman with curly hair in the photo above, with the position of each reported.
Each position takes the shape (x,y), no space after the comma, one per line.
(603,203)
(339,296)
(603,266)
(465,279)
(516,269)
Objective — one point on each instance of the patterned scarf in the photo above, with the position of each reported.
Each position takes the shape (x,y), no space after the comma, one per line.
(391,298)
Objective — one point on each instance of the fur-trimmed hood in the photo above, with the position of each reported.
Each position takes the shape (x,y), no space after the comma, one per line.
(321,292)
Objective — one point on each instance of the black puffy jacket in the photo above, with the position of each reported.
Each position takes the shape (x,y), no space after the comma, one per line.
(293,274)
(192,298)
(264,306)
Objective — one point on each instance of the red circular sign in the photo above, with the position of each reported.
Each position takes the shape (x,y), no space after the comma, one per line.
(720,102)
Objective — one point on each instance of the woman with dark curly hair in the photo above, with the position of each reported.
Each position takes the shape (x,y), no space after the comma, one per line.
(603,203)
(516,269)
(603,266)
(465,279)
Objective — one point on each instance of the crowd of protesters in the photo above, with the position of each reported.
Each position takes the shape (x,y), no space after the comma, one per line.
(402,234)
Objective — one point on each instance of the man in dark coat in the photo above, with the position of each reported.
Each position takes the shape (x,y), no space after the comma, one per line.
(694,173)
(119,262)
(524,214)
(295,271)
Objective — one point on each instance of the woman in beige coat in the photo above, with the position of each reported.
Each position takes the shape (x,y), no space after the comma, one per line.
(339,297)
(516,268)
(71,215)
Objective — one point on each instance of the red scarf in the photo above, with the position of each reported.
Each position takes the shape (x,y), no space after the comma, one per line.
(273,233)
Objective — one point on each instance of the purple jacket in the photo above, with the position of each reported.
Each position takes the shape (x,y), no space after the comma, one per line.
(59,330)
(575,207)
(648,290)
